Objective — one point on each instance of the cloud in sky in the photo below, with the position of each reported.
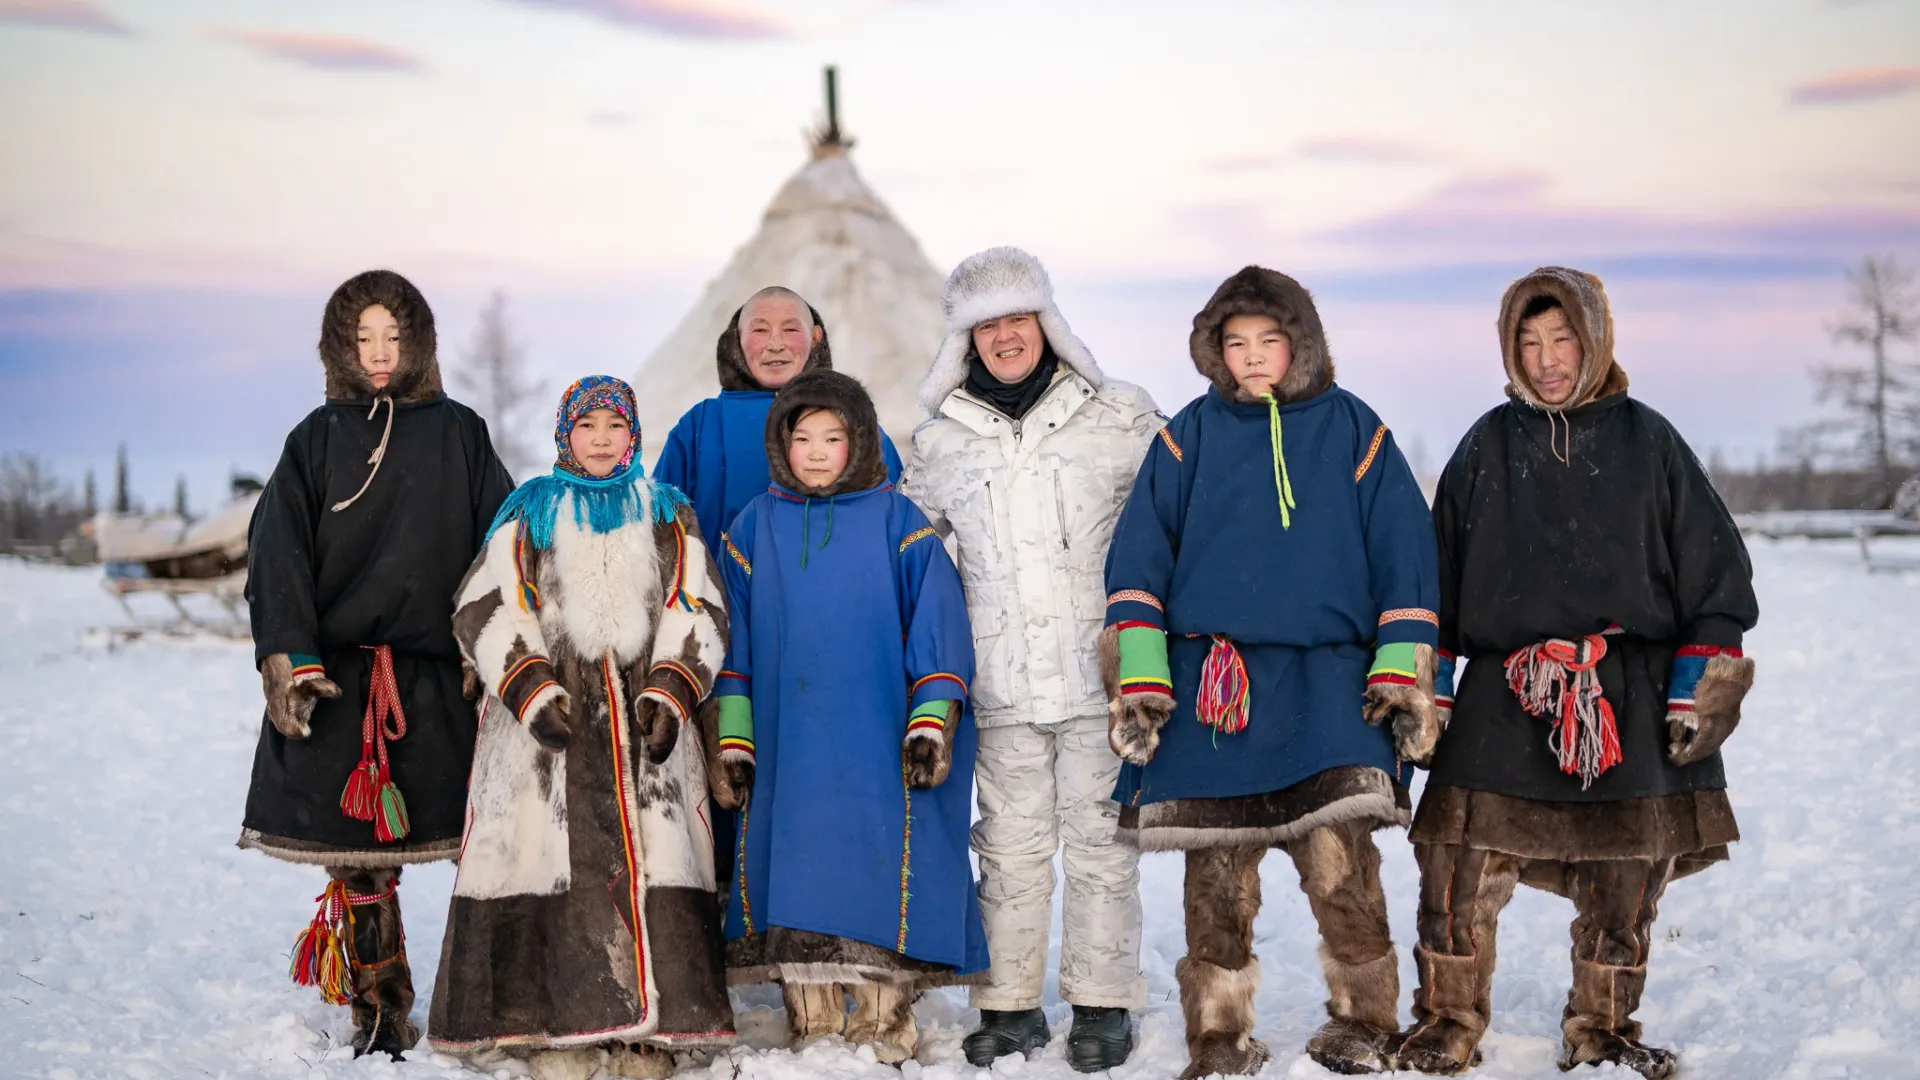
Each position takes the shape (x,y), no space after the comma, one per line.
(1338,149)
(61,14)
(1862,84)
(1508,214)
(329,52)
(678,18)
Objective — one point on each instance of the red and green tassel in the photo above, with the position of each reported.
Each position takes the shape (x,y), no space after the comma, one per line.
(371,794)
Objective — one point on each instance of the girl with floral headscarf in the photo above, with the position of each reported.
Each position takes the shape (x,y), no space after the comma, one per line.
(584,919)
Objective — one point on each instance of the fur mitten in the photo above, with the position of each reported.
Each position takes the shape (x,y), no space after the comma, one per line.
(927,752)
(1401,693)
(292,685)
(1703,700)
(470,685)
(1139,687)
(548,725)
(657,721)
(730,771)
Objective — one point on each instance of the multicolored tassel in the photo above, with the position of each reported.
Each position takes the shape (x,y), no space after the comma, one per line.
(1556,679)
(1223,700)
(371,794)
(320,952)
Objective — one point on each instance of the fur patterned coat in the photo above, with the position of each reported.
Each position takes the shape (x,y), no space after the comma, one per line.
(585,910)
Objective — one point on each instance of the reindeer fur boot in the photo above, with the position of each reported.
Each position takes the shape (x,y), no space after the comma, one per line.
(1597,1024)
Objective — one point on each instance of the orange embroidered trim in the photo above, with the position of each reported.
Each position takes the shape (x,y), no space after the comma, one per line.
(906,858)
(735,552)
(1379,435)
(1138,596)
(936,676)
(1417,614)
(916,535)
(1172,447)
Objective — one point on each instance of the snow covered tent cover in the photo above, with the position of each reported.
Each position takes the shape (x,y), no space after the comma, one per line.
(828,237)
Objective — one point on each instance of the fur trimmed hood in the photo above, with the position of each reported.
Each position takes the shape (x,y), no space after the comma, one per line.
(843,394)
(998,281)
(416,377)
(1585,301)
(1257,290)
(730,361)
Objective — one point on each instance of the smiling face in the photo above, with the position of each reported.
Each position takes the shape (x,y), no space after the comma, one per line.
(599,440)
(1550,354)
(817,452)
(1258,354)
(378,338)
(1010,345)
(776,334)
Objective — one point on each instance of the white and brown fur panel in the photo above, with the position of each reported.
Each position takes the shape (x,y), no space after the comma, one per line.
(490,625)
(696,639)
(602,592)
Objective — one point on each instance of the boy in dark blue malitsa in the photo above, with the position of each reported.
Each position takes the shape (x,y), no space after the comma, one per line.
(1269,656)
(845,737)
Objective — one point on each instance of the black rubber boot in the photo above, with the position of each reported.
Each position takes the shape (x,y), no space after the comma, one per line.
(1001,1033)
(1100,1040)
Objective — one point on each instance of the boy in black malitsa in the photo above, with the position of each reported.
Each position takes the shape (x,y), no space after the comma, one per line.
(1599,589)
(377,507)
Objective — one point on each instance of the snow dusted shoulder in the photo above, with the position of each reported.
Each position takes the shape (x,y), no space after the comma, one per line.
(136,941)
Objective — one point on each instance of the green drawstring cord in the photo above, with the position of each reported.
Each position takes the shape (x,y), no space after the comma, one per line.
(806,528)
(1281,482)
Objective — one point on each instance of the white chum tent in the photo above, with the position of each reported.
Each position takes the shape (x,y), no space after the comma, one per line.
(828,237)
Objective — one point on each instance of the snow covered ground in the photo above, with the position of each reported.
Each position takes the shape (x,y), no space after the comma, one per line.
(136,941)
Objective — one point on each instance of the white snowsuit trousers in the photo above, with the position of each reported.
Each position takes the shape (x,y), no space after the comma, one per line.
(1042,786)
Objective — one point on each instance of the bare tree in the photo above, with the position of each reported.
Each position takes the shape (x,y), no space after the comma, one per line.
(1879,397)
(35,505)
(180,499)
(492,378)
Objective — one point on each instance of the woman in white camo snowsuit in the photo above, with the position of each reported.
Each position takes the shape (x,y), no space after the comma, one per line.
(1024,465)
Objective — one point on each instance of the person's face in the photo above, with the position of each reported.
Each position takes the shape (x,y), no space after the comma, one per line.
(1550,355)
(817,454)
(379,342)
(1010,345)
(776,334)
(599,440)
(1257,353)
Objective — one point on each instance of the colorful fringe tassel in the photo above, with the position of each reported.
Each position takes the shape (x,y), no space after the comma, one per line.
(1222,703)
(1556,679)
(371,794)
(320,952)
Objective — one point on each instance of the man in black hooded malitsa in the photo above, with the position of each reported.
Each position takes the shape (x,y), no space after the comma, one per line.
(377,507)
(1599,591)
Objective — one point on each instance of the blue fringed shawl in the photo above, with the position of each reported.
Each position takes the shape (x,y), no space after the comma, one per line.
(599,505)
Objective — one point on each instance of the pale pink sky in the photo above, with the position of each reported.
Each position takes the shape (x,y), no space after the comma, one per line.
(602,158)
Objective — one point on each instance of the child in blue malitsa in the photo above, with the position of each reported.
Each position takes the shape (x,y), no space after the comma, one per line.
(1270,662)
(846,740)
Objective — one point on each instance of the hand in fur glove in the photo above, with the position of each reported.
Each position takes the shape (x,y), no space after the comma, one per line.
(1133,670)
(470,685)
(658,722)
(292,690)
(1703,702)
(549,726)
(927,753)
(1134,723)
(727,724)
(1400,694)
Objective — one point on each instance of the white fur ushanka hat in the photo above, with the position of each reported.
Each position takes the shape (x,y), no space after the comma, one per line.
(998,281)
